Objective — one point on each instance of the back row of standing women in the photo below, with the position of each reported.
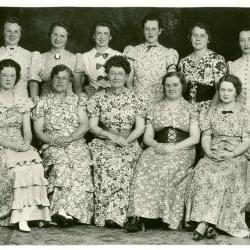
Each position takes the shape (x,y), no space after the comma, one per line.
(171,133)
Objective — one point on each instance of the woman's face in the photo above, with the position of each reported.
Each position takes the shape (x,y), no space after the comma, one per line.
(244,41)
(227,92)
(12,34)
(117,77)
(58,37)
(102,36)
(7,78)
(151,31)
(173,88)
(61,82)
(199,38)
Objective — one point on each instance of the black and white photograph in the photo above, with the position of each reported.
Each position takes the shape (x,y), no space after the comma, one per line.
(124,123)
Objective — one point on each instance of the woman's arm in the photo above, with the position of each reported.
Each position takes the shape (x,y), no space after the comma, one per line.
(138,131)
(34,88)
(27,134)
(129,81)
(77,83)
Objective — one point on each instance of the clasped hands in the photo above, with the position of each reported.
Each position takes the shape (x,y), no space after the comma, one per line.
(220,155)
(62,141)
(164,148)
(119,140)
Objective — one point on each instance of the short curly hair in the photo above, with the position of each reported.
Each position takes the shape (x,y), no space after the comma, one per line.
(60,24)
(233,79)
(117,61)
(12,64)
(59,68)
(203,26)
(103,23)
(178,75)
(152,17)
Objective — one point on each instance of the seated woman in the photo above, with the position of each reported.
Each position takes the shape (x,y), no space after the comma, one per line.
(23,194)
(161,173)
(217,193)
(60,122)
(117,120)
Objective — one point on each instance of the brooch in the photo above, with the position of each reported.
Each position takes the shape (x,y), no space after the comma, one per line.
(57,56)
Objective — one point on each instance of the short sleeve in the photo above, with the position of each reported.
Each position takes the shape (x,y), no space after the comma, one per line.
(193,116)
(35,67)
(82,103)
(25,105)
(141,107)
(79,63)
(38,111)
(219,67)
(150,115)
(205,122)
(172,58)
(129,53)
(246,125)
(93,107)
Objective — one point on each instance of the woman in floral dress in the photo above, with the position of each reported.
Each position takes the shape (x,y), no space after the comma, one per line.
(23,189)
(202,68)
(60,122)
(217,194)
(42,64)
(117,120)
(161,173)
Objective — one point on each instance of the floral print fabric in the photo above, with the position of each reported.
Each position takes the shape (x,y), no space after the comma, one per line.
(160,181)
(208,71)
(114,165)
(217,192)
(150,65)
(68,168)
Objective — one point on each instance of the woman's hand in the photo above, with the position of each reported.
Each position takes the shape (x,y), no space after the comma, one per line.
(24,146)
(160,148)
(119,140)
(62,141)
(224,155)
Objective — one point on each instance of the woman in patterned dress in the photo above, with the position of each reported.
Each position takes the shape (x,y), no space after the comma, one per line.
(161,173)
(60,122)
(217,193)
(42,64)
(202,68)
(117,120)
(23,189)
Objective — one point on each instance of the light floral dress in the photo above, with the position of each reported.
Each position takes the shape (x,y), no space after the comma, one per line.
(217,192)
(68,168)
(160,181)
(42,65)
(150,65)
(114,165)
(207,72)
(23,189)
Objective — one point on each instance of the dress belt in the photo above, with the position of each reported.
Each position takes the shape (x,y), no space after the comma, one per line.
(170,135)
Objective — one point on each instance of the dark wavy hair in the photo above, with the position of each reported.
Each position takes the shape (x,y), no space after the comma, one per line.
(244,28)
(60,24)
(233,79)
(152,17)
(176,74)
(117,61)
(103,23)
(12,20)
(60,68)
(12,64)
(203,26)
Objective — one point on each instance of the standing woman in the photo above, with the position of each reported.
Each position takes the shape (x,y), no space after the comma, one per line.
(12,31)
(23,189)
(116,120)
(217,194)
(202,69)
(42,64)
(60,122)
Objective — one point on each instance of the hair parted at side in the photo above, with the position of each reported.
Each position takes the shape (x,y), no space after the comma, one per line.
(59,68)
(117,61)
(233,79)
(12,64)
(176,74)
(152,17)
(201,25)
(103,23)
(59,24)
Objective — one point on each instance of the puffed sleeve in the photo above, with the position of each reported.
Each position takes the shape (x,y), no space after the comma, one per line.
(93,106)
(38,111)
(25,105)
(35,67)
(172,58)
(205,122)
(82,103)
(219,67)
(193,115)
(129,53)
(246,125)
(79,63)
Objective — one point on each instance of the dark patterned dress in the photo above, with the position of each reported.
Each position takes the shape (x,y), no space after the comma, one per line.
(202,77)
(160,181)
(68,168)
(217,193)
(114,165)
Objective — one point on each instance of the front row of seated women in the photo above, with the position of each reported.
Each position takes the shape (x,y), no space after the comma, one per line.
(129,185)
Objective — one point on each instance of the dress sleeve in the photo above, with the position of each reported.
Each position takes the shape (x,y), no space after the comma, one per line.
(38,111)
(205,122)
(82,103)
(25,104)
(150,115)
(180,66)
(35,67)
(219,67)
(193,116)
(129,53)
(246,125)
(172,58)
(93,107)
(141,107)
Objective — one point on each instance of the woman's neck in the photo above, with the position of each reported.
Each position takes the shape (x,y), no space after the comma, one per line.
(172,102)
(101,49)
(56,50)
(228,106)
(7,96)
(60,95)
(200,53)
(117,90)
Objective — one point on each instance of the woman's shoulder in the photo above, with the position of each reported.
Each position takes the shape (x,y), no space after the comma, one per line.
(24,104)
(215,55)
